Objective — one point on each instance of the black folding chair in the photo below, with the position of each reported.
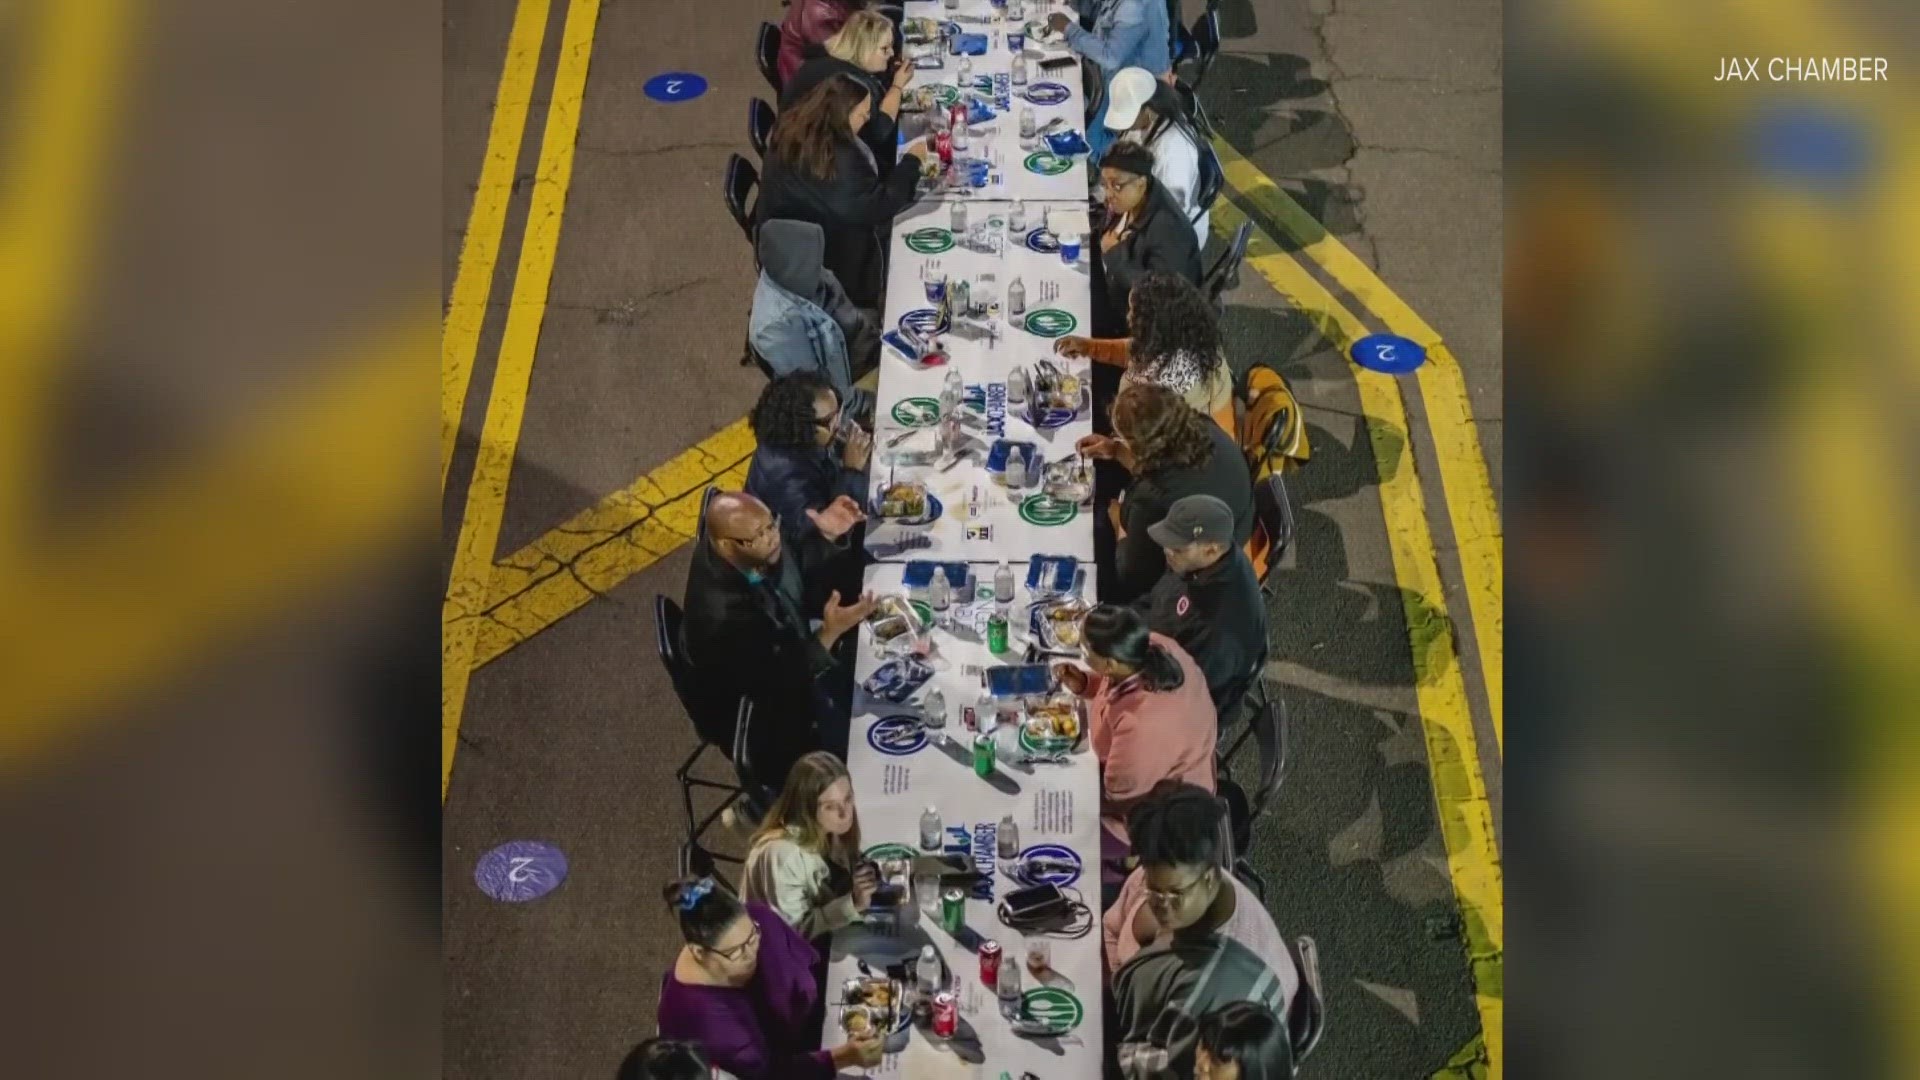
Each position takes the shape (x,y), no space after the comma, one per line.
(697,861)
(669,622)
(1225,274)
(742,181)
(766,53)
(1206,44)
(1266,724)
(760,117)
(1307,1015)
(1213,178)
(1273,511)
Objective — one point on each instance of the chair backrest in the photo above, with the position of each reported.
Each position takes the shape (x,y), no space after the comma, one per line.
(1307,1015)
(1213,178)
(742,179)
(760,118)
(708,725)
(766,53)
(1269,726)
(1273,512)
(742,721)
(1225,274)
(700,523)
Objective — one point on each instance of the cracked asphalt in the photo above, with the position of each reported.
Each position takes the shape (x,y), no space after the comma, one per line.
(1381,117)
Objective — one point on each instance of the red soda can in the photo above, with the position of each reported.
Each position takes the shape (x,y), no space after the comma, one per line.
(946,1015)
(943,146)
(990,964)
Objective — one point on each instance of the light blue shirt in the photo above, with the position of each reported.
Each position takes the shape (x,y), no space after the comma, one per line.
(1126,33)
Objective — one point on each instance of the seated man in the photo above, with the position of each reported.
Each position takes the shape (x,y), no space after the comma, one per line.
(801,319)
(1208,600)
(1185,937)
(749,601)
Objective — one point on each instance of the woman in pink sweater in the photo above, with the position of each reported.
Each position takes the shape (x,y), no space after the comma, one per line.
(1150,716)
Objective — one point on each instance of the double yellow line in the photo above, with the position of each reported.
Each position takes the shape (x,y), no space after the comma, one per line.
(471,575)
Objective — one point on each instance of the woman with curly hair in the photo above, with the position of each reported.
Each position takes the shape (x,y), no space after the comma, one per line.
(807,454)
(1170,450)
(1174,341)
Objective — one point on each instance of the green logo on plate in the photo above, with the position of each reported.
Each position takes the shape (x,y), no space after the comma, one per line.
(1050,322)
(1047,164)
(925,611)
(889,851)
(1057,1009)
(917,412)
(1047,510)
(929,241)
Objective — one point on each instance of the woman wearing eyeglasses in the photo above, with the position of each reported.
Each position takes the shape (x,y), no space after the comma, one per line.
(803,455)
(743,988)
(804,858)
(1145,231)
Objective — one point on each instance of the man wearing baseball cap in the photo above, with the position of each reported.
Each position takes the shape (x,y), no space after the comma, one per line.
(1209,599)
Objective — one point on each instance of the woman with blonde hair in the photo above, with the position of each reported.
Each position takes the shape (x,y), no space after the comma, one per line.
(863,50)
(803,860)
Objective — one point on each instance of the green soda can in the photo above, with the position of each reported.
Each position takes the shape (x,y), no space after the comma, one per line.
(983,753)
(953,910)
(997,631)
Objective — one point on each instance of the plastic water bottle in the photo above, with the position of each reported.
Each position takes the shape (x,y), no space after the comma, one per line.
(1017,217)
(939,593)
(1020,69)
(1003,583)
(1016,475)
(957,217)
(1028,130)
(928,971)
(1007,990)
(933,707)
(966,72)
(952,393)
(1017,304)
(1006,838)
(1017,379)
(930,830)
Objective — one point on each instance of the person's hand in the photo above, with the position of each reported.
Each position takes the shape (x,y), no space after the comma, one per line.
(902,75)
(1057,23)
(865,881)
(1073,346)
(839,517)
(858,450)
(837,618)
(1072,677)
(1098,447)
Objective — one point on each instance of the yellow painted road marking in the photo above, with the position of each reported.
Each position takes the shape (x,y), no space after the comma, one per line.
(302,493)
(70,80)
(621,535)
(1464,478)
(480,248)
(1459,788)
(470,578)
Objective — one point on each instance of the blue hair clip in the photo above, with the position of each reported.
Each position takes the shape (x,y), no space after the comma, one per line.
(695,892)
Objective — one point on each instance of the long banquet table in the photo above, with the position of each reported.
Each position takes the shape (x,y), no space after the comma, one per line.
(898,769)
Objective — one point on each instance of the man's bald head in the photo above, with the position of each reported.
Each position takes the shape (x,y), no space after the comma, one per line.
(741,529)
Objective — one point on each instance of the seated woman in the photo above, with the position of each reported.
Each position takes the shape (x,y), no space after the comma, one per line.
(1174,341)
(669,1059)
(796,464)
(817,170)
(743,988)
(1148,111)
(1170,451)
(810,838)
(802,319)
(862,50)
(1145,231)
(1149,715)
(1243,1041)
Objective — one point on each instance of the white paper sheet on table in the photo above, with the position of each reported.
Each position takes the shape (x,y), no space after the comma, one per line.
(1001,135)
(1051,804)
(1045,527)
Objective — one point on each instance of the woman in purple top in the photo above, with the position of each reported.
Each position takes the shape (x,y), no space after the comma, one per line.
(742,987)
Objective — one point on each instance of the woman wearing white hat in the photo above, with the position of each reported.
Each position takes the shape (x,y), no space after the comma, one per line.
(1147,111)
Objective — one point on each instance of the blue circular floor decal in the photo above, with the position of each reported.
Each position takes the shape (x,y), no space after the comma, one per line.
(1388,354)
(675,86)
(520,870)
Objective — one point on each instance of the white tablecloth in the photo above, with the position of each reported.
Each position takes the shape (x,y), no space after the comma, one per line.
(1045,528)
(1051,804)
(999,139)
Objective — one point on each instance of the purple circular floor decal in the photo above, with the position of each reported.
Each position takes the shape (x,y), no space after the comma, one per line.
(520,870)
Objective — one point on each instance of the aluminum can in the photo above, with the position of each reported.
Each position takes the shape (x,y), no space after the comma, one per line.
(997,632)
(953,910)
(946,1015)
(983,754)
(989,963)
(943,146)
